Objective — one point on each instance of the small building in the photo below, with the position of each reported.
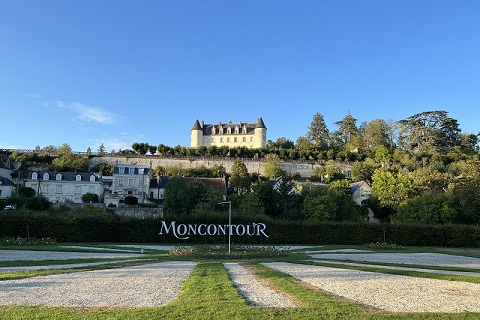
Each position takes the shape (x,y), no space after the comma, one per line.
(129,180)
(7,188)
(65,187)
(250,135)
(361,191)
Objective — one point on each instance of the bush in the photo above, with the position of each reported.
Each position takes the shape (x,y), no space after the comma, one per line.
(131,200)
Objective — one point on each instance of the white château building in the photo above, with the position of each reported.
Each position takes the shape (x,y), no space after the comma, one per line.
(251,135)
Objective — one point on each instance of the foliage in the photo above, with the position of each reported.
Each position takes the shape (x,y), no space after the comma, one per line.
(105,168)
(219,252)
(239,178)
(130,200)
(318,135)
(177,199)
(71,162)
(29,241)
(89,197)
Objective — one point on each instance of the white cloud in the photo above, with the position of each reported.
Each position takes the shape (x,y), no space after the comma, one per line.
(85,113)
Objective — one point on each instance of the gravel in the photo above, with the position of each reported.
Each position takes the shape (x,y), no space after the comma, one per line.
(149,285)
(427,259)
(253,290)
(392,293)
(63,266)
(29,255)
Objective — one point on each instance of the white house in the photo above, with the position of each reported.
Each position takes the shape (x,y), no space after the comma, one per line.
(64,187)
(129,180)
(6,188)
(361,190)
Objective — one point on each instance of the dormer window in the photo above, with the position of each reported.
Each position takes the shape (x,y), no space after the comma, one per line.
(236,130)
(92,178)
(34,176)
(229,130)
(78,177)
(121,170)
(244,129)
(46,176)
(214,130)
(58,176)
(221,130)
(131,170)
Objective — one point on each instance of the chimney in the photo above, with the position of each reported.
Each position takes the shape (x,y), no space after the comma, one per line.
(203,124)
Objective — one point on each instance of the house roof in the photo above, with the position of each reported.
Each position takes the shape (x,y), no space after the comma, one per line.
(155,185)
(135,169)
(66,176)
(360,185)
(6,182)
(249,127)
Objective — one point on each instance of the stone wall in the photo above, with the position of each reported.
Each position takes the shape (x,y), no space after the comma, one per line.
(305,169)
(139,212)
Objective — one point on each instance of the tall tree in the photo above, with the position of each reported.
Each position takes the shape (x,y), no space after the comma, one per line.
(429,131)
(239,178)
(318,134)
(177,200)
(347,130)
(376,133)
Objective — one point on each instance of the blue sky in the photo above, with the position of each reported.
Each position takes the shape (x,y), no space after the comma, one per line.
(117,72)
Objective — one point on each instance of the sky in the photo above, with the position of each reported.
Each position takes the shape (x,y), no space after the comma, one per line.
(117,72)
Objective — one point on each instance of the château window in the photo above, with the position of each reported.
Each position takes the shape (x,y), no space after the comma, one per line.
(45,188)
(236,130)
(78,177)
(58,188)
(120,182)
(92,178)
(58,176)
(221,140)
(214,130)
(141,171)
(46,176)
(140,182)
(78,189)
(228,139)
(235,139)
(34,176)
(229,130)
(131,170)
(244,139)
(121,170)
(130,182)
(205,140)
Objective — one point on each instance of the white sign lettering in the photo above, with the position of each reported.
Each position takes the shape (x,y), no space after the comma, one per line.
(184,231)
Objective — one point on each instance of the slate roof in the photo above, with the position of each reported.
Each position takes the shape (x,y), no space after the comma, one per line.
(146,169)
(250,127)
(155,185)
(66,176)
(6,182)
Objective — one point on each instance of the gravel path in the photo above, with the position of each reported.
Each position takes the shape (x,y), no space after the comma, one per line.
(427,259)
(63,266)
(253,290)
(457,273)
(388,292)
(29,255)
(149,285)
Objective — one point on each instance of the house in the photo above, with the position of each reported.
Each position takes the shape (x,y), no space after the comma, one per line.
(7,166)
(250,135)
(156,189)
(129,180)
(6,188)
(362,190)
(65,187)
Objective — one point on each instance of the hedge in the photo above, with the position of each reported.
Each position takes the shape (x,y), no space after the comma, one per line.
(77,227)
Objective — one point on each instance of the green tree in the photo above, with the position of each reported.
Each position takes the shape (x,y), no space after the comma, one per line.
(140,147)
(71,162)
(105,168)
(272,167)
(318,134)
(177,199)
(347,131)
(392,189)
(239,178)
(101,149)
(90,197)
(64,149)
(363,170)
(376,134)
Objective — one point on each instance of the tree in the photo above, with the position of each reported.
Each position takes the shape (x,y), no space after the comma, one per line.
(239,178)
(64,149)
(131,200)
(272,167)
(347,131)
(152,149)
(318,134)
(363,171)
(90,197)
(177,199)
(268,197)
(140,147)
(105,168)
(392,189)
(429,131)
(101,149)
(376,134)
(71,162)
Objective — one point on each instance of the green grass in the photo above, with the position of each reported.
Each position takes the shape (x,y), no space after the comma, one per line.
(208,293)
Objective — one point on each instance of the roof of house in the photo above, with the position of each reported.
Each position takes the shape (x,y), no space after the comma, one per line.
(360,185)
(66,176)
(249,127)
(135,169)
(6,182)
(154,183)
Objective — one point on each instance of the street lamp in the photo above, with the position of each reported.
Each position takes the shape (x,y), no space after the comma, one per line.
(229,221)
